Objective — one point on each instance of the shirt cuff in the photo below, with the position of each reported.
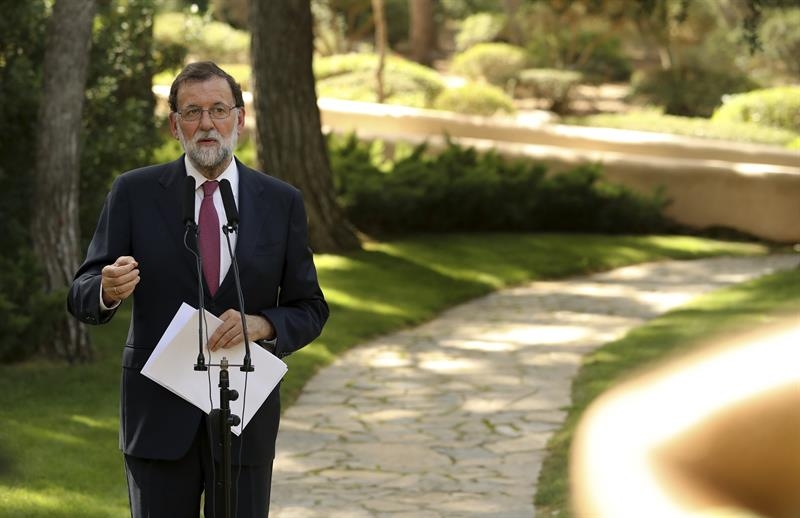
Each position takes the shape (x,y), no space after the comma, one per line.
(103,306)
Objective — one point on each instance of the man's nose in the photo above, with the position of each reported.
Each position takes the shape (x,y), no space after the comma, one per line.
(205,120)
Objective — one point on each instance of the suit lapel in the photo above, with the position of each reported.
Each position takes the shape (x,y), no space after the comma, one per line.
(169,201)
(252,208)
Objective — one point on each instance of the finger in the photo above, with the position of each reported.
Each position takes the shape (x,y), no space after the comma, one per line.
(126,260)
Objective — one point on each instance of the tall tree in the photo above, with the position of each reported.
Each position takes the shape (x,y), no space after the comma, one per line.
(380,45)
(289,138)
(55,226)
(422,31)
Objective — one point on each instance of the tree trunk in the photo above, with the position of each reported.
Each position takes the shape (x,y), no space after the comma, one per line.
(422,37)
(289,138)
(55,213)
(380,45)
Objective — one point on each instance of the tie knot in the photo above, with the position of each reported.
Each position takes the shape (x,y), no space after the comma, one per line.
(209,187)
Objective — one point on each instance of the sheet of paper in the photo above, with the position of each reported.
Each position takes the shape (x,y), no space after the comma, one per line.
(171,365)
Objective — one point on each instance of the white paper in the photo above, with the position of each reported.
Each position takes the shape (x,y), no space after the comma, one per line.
(171,365)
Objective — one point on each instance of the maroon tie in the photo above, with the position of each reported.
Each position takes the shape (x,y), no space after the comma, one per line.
(209,237)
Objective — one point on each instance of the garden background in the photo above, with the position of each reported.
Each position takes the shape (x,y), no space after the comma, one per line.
(724,70)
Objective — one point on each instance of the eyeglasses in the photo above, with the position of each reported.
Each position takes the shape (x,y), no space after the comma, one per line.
(194,113)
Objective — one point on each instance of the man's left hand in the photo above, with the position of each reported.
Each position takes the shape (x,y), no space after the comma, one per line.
(229,333)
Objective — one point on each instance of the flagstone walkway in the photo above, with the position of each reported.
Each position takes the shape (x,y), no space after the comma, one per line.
(450,419)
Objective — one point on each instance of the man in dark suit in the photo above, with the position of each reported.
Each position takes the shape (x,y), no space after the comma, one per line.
(138,249)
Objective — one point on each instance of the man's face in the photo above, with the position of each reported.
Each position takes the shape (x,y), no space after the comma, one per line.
(208,142)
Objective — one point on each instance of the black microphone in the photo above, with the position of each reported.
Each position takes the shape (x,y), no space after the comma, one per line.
(189,186)
(230,205)
(188,201)
(233,221)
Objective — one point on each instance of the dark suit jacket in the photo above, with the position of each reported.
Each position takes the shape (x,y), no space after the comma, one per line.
(142,217)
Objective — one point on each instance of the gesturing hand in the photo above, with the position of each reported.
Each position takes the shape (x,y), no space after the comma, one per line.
(119,279)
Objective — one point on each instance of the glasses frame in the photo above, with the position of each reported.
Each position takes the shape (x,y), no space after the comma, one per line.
(208,110)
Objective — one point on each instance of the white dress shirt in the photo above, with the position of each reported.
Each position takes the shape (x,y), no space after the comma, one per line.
(232,175)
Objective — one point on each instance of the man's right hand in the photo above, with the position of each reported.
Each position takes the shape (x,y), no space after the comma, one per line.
(119,280)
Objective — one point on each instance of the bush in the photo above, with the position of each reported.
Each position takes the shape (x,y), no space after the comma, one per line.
(479,28)
(776,107)
(780,37)
(462,190)
(690,90)
(553,85)
(598,56)
(204,39)
(475,99)
(352,76)
(496,63)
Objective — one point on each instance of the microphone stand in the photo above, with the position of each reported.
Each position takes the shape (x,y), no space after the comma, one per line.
(225,418)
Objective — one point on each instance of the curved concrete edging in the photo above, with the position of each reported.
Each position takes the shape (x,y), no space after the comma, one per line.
(748,187)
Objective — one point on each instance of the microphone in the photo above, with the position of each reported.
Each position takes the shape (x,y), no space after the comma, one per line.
(230,205)
(232,216)
(188,201)
(189,186)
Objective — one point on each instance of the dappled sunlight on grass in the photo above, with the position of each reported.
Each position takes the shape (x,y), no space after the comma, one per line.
(373,305)
(107,424)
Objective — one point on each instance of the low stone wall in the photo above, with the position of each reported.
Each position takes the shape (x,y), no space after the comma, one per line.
(751,188)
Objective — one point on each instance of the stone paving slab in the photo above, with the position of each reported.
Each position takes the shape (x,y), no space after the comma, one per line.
(450,419)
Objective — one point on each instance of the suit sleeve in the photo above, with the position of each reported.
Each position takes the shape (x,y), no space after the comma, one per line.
(302,310)
(110,241)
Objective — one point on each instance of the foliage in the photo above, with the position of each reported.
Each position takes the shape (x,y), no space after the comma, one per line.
(724,313)
(496,63)
(25,311)
(479,28)
(780,38)
(690,90)
(656,120)
(599,56)
(776,107)
(554,85)
(119,101)
(352,76)
(462,190)
(203,38)
(475,99)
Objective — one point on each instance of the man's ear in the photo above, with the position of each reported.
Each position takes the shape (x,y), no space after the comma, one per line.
(173,124)
(240,119)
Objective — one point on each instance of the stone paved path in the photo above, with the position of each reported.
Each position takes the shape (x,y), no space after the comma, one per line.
(450,419)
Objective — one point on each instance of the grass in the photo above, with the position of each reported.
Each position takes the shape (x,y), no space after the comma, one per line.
(58,439)
(719,314)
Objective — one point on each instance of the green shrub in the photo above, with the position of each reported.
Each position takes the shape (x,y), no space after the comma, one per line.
(479,28)
(496,63)
(554,85)
(28,315)
(690,90)
(776,107)
(203,38)
(352,76)
(475,99)
(462,190)
(780,37)
(598,56)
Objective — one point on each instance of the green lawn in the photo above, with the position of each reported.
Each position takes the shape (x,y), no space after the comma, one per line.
(718,314)
(58,438)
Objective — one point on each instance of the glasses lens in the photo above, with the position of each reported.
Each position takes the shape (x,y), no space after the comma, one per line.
(218,111)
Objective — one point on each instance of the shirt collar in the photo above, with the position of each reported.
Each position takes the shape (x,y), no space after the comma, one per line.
(231,173)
